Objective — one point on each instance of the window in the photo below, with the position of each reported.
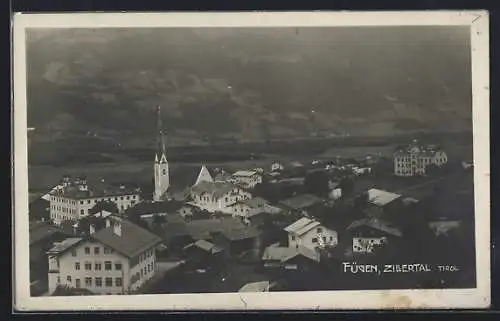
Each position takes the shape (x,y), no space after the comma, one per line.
(319,230)
(107,265)
(88,282)
(82,212)
(315,240)
(324,238)
(77,283)
(77,265)
(97,266)
(68,278)
(118,266)
(98,282)
(293,238)
(87,250)
(109,282)
(118,282)
(88,266)
(149,268)
(73,252)
(97,250)
(107,250)
(121,198)
(164,171)
(88,201)
(128,197)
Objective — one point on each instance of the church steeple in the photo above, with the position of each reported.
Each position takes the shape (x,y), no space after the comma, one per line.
(161,170)
(161,154)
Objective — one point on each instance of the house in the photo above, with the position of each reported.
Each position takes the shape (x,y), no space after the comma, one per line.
(216,196)
(116,259)
(238,241)
(277,167)
(290,258)
(369,233)
(203,252)
(382,203)
(104,209)
(413,159)
(302,204)
(247,179)
(311,234)
(42,237)
(74,199)
(262,286)
(248,207)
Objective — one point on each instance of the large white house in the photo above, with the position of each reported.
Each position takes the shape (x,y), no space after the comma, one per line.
(310,234)
(73,199)
(216,196)
(247,179)
(116,259)
(412,160)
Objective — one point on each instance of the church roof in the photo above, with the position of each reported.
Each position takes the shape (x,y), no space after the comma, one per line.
(204,176)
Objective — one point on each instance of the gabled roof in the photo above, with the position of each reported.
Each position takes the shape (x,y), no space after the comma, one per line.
(302,226)
(301,201)
(132,241)
(380,197)
(39,231)
(206,246)
(261,286)
(245,173)
(376,224)
(107,206)
(284,254)
(203,176)
(65,245)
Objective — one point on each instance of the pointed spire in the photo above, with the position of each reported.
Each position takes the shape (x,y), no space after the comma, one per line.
(161,138)
(204,176)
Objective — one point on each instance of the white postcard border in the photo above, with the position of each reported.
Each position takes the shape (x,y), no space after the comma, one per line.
(359,299)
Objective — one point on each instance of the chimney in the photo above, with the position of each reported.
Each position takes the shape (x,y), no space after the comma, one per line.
(92,229)
(117,228)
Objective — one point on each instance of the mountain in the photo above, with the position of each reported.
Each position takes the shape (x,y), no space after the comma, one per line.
(248,83)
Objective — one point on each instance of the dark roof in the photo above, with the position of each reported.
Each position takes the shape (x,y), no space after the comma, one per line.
(376,224)
(38,205)
(201,229)
(240,234)
(133,239)
(107,206)
(39,231)
(95,190)
(144,208)
(301,201)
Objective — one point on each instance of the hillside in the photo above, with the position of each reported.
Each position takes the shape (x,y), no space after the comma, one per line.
(244,84)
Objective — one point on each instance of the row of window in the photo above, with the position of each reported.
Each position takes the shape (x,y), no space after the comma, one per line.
(315,239)
(142,257)
(90,201)
(108,282)
(148,269)
(97,251)
(108,266)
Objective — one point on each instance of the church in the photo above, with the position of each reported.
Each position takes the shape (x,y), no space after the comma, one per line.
(204,193)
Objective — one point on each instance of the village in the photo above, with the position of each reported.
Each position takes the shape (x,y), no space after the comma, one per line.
(291,226)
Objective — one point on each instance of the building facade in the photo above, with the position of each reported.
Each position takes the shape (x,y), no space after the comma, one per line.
(107,262)
(310,234)
(74,200)
(413,159)
(216,196)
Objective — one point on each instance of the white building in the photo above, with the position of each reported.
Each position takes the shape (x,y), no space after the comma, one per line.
(116,259)
(73,200)
(413,159)
(246,179)
(310,234)
(161,170)
(248,207)
(216,196)
(277,166)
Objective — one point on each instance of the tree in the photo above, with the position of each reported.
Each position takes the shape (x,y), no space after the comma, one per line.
(317,183)
(433,170)
(346,185)
(361,200)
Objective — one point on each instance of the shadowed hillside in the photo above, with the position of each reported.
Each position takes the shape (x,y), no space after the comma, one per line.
(242,84)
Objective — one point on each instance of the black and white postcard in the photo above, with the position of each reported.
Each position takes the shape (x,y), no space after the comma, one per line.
(251,161)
